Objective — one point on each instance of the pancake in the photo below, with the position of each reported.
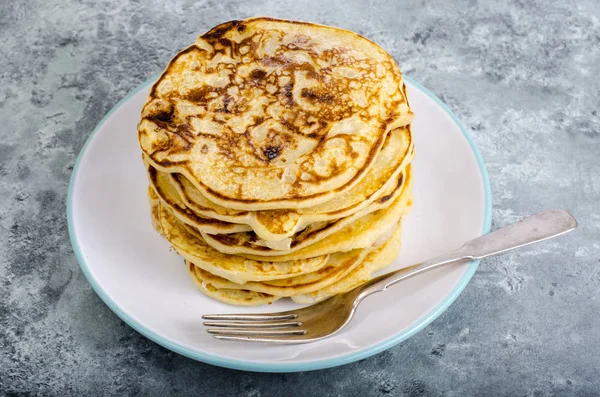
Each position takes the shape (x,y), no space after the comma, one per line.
(234,268)
(266,114)
(169,197)
(344,263)
(361,230)
(341,265)
(231,296)
(375,260)
(154,210)
(276,227)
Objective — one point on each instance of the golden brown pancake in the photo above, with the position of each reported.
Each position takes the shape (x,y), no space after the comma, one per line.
(164,190)
(231,296)
(270,114)
(344,263)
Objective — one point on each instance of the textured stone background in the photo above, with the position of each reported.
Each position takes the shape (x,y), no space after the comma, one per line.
(522,75)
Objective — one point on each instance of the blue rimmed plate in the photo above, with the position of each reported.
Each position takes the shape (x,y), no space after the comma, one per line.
(146,284)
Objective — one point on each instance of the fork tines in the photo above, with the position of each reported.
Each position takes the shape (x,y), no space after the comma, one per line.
(254,327)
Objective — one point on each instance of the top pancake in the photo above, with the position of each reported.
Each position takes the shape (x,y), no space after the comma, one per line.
(270,114)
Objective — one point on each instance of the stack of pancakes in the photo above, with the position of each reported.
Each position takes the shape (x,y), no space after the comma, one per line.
(278,155)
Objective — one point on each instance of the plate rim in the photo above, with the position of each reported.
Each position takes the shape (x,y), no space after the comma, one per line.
(245,365)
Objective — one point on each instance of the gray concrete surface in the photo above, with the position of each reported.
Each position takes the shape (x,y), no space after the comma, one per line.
(522,75)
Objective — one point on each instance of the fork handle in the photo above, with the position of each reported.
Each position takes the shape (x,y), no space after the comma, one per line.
(542,226)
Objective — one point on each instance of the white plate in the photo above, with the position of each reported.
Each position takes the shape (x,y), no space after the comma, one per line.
(146,284)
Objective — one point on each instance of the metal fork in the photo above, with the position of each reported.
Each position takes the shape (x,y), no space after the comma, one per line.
(328,317)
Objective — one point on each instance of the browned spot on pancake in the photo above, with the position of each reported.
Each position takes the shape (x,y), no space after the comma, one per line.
(392,194)
(218,31)
(385,198)
(325,269)
(257,75)
(159,111)
(272,151)
(224,238)
(184,131)
(164,116)
(260,267)
(312,95)
(253,237)
(198,94)
(227,100)
(306,234)
(153,174)
(207,221)
(289,125)
(204,149)
(255,152)
(301,40)
(226,153)
(274,61)
(288,94)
